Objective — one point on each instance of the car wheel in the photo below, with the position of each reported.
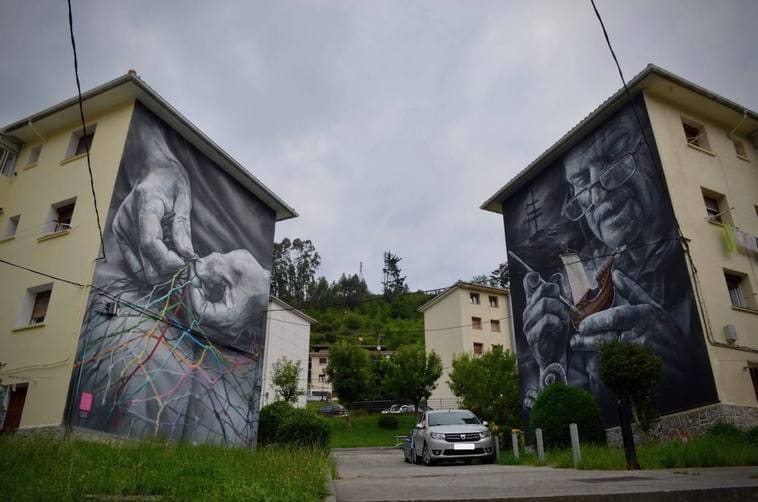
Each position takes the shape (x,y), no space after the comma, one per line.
(426,455)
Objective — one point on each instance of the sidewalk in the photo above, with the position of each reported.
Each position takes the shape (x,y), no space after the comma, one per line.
(369,474)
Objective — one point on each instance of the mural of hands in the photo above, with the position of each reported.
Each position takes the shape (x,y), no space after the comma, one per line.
(546,321)
(152,224)
(224,287)
(640,320)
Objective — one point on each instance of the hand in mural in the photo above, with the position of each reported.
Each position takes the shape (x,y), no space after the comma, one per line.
(152,224)
(224,287)
(546,320)
(641,320)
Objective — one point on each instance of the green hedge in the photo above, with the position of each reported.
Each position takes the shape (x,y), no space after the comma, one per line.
(387,422)
(558,406)
(304,428)
(271,418)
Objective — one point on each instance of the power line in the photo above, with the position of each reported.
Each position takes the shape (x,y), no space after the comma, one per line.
(84,129)
(623,80)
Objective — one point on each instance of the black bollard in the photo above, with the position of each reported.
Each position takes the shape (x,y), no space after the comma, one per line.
(625,420)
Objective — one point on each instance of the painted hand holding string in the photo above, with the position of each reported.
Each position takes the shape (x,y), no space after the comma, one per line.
(224,287)
(152,224)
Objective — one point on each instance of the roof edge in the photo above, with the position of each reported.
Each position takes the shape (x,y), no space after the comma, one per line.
(463,284)
(292,309)
(282,210)
(493,203)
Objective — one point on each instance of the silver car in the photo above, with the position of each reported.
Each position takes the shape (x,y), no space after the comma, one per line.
(450,435)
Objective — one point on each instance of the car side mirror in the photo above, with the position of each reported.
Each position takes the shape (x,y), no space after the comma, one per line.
(420,425)
(485,423)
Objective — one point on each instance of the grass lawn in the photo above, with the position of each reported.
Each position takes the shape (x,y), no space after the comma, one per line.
(704,451)
(46,468)
(366,432)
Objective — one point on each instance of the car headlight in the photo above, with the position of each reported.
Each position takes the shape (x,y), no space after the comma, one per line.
(485,434)
(438,435)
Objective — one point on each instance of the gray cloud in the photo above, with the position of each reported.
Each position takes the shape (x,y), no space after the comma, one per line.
(385,124)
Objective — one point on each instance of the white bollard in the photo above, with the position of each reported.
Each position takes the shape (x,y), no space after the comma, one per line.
(514,442)
(574,430)
(540,446)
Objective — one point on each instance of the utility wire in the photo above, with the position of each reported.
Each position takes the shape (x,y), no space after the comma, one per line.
(84,130)
(623,80)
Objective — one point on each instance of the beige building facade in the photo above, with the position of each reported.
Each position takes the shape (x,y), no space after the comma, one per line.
(693,171)
(50,255)
(466,318)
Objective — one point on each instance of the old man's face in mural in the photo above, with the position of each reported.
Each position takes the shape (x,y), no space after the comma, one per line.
(610,183)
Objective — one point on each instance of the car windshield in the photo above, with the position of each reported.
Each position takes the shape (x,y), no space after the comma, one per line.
(452,418)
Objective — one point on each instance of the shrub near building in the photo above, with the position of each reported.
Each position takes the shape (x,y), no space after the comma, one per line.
(281,423)
(560,405)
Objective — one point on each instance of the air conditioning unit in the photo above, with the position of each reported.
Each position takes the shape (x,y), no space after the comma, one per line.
(730,332)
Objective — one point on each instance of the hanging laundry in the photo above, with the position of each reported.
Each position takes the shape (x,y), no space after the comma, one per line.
(730,241)
(745,240)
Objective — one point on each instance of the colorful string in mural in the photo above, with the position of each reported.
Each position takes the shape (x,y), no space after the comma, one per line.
(149,370)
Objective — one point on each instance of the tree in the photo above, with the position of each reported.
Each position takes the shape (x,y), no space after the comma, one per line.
(633,372)
(501,276)
(350,290)
(294,269)
(348,372)
(412,374)
(481,279)
(285,377)
(488,385)
(393,282)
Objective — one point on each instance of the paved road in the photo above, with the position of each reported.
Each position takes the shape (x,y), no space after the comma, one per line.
(377,474)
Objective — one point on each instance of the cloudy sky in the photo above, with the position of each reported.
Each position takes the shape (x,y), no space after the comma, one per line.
(385,124)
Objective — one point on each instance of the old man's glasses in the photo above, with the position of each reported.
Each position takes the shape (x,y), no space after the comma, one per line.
(610,179)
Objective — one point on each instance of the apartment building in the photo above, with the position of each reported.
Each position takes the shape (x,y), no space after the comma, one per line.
(641,224)
(158,329)
(319,387)
(288,335)
(466,318)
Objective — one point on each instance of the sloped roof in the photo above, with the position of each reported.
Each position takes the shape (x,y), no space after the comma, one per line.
(124,89)
(462,285)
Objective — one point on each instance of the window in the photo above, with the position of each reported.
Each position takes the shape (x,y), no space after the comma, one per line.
(493,302)
(753,369)
(59,219)
(478,348)
(81,141)
(7,162)
(321,378)
(739,148)
(476,322)
(39,310)
(11,226)
(322,360)
(716,207)
(34,155)
(740,292)
(473,298)
(495,326)
(695,134)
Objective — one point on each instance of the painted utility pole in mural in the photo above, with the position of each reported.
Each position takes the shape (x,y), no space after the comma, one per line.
(172,339)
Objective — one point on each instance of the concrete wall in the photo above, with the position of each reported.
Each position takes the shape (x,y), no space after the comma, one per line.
(287,335)
(43,355)
(688,170)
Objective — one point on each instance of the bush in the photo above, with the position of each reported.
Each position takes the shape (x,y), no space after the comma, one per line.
(271,418)
(387,422)
(304,428)
(360,412)
(559,405)
(752,435)
(726,432)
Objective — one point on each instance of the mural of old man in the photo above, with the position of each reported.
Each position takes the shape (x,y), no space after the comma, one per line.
(595,256)
(174,328)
